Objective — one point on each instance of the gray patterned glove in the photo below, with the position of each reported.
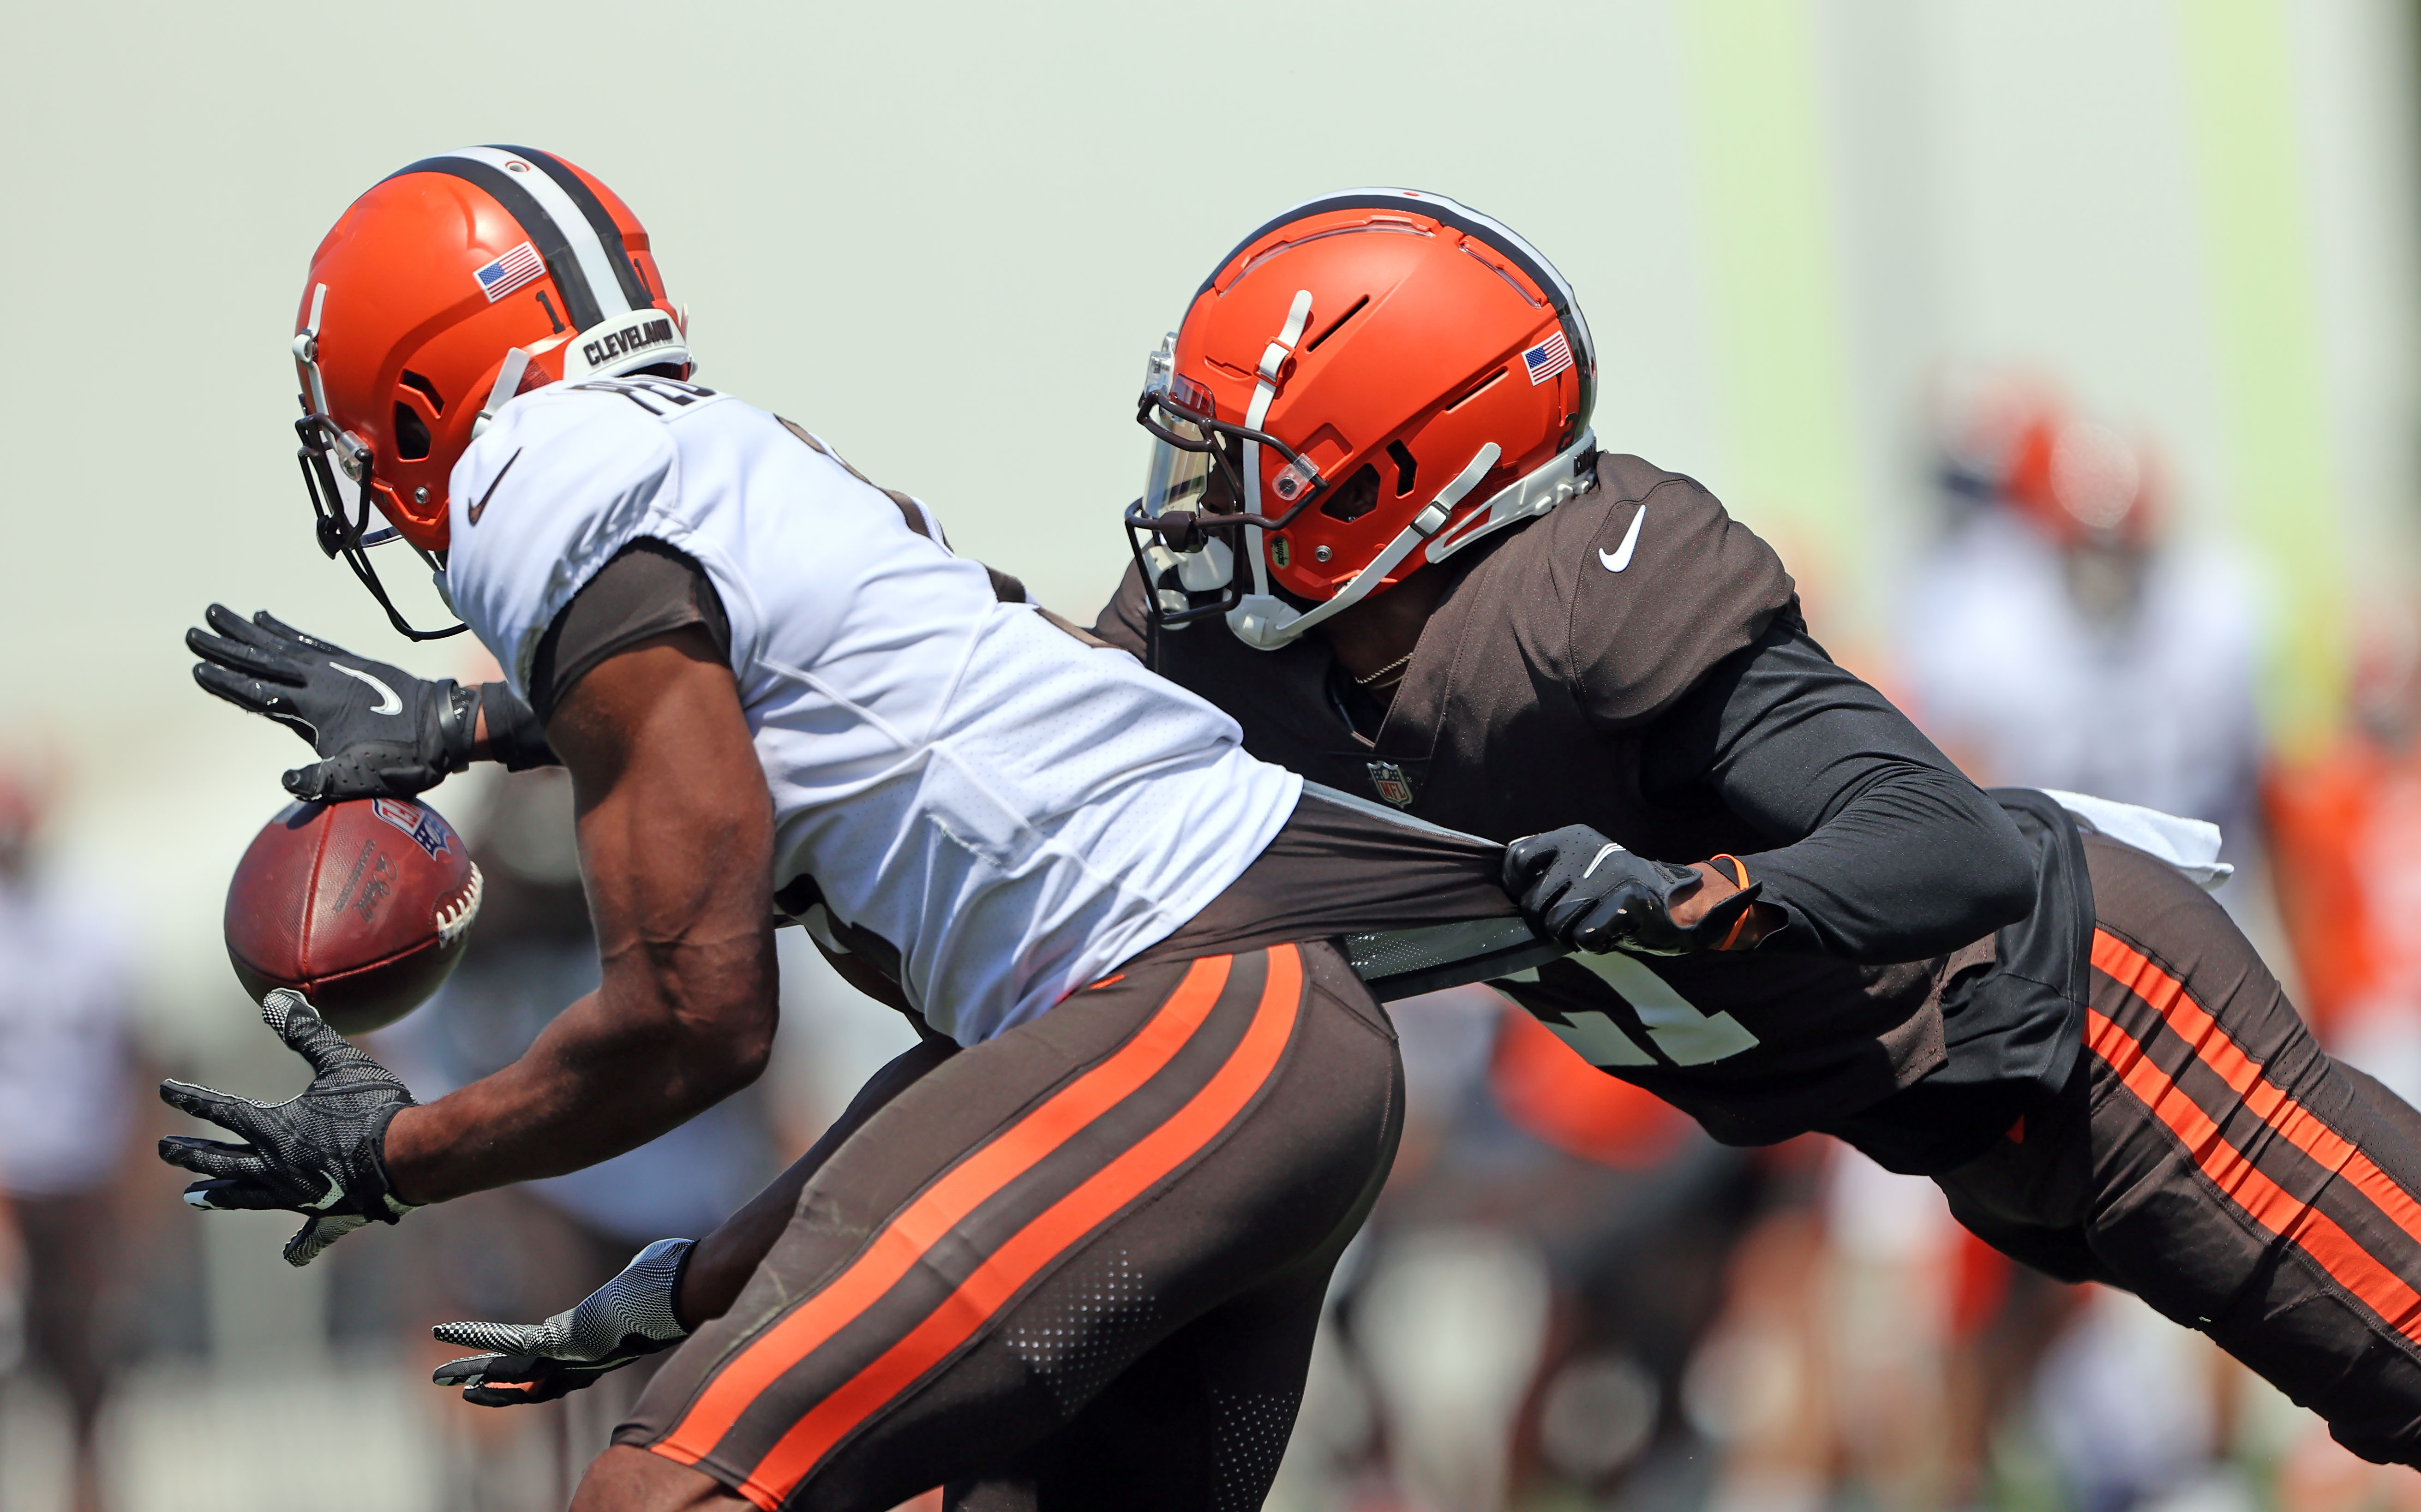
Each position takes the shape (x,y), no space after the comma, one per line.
(318,1153)
(631,1316)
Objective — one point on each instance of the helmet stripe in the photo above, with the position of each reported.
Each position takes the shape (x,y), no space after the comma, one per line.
(1472,222)
(562,262)
(601,220)
(598,259)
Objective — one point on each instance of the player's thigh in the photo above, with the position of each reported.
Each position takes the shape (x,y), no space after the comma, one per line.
(1198,1424)
(2244,1183)
(1009,1232)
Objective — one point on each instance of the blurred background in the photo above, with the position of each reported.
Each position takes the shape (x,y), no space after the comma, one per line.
(2068,350)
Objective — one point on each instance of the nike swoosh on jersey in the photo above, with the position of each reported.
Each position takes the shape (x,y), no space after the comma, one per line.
(392,705)
(479,507)
(1614,561)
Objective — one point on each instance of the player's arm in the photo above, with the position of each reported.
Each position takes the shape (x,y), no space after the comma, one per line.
(676,837)
(1878,848)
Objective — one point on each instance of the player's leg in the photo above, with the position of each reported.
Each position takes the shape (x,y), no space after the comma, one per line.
(2239,1180)
(1006,1236)
(1199,1422)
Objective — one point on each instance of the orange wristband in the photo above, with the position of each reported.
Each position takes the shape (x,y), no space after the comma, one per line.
(1740,880)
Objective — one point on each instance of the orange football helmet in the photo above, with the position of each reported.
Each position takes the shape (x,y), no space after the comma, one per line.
(453,285)
(2015,439)
(1372,382)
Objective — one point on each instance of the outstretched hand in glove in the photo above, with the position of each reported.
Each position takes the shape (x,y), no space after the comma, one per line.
(1586,893)
(631,1316)
(380,732)
(318,1153)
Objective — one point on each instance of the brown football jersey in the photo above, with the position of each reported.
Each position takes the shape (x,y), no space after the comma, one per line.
(1555,656)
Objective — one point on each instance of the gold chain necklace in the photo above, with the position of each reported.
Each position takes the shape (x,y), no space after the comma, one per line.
(1396,667)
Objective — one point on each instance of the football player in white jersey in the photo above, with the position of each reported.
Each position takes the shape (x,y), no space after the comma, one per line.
(1153,1100)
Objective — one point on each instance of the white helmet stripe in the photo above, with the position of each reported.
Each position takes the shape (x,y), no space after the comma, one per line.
(599,264)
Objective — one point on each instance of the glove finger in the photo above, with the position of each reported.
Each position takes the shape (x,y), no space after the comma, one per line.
(357,771)
(1605,925)
(234,1196)
(240,1115)
(236,627)
(342,777)
(209,1157)
(254,697)
(286,633)
(1524,859)
(312,1239)
(496,1338)
(296,1022)
(468,1371)
(240,657)
(513,1393)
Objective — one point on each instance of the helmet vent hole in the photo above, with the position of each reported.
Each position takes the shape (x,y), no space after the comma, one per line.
(1407,470)
(1330,329)
(428,390)
(1358,497)
(411,435)
(1475,391)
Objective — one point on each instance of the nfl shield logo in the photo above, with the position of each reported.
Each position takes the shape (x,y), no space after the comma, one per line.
(1389,779)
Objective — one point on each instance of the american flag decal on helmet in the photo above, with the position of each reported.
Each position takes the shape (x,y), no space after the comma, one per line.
(518,267)
(1548,358)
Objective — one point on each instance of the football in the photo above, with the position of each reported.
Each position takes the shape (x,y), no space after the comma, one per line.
(361,906)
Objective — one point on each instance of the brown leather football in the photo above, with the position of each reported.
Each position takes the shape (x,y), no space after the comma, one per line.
(361,906)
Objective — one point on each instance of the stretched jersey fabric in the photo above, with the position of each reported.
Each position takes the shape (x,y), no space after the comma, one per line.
(1634,660)
(1017,812)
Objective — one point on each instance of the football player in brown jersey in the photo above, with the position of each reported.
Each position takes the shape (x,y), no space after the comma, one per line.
(1379,531)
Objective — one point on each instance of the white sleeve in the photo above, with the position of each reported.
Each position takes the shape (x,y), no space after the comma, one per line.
(560,483)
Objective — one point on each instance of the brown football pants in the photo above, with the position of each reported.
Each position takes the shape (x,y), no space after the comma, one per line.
(2209,1156)
(1147,1186)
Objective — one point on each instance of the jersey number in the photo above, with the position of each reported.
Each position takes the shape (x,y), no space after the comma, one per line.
(1686,1036)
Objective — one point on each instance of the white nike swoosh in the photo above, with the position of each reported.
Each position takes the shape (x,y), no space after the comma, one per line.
(1598,859)
(395,705)
(1615,561)
(335,1192)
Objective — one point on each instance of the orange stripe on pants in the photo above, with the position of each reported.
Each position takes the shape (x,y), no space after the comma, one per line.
(923,1222)
(2275,1208)
(1065,1225)
(2168,998)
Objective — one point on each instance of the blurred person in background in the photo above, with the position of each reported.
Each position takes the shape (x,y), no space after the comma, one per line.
(2345,845)
(2056,637)
(2345,836)
(68,1085)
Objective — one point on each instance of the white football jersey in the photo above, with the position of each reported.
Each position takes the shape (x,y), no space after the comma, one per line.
(1016,811)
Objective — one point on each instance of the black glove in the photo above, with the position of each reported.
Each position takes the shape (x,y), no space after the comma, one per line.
(317,1153)
(631,1316)
(1586,893)
(383,732)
